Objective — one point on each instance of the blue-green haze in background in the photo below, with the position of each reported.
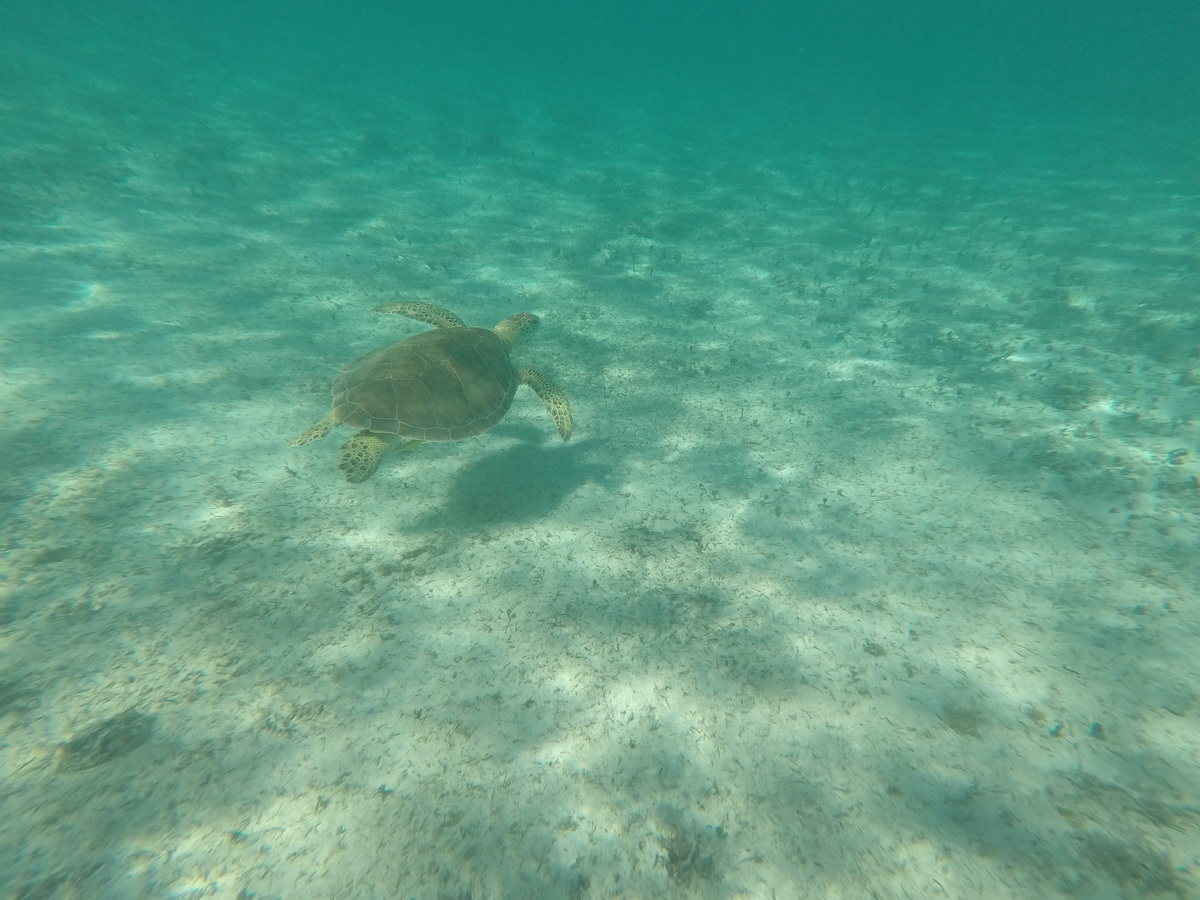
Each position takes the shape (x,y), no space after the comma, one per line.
(869,569)
(941,57)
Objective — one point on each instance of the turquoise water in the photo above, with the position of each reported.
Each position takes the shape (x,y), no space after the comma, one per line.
(869,568)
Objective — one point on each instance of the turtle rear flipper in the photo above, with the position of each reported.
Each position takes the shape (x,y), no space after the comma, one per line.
(552,397)
(361,454)
(317,430)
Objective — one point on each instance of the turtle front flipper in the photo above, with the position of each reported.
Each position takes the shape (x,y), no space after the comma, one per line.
(317,430)
(361,454)
(552,397)
(423,312)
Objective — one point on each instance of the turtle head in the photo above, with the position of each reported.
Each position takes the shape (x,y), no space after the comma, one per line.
(515,329)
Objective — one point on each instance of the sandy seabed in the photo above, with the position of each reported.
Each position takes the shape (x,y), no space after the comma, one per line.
(869,572)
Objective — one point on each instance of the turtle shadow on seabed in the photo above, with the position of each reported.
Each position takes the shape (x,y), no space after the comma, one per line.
(521,484)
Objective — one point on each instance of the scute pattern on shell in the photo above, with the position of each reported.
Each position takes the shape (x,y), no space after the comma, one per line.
(440,385)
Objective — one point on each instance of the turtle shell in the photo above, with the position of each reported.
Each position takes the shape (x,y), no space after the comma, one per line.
(441,385)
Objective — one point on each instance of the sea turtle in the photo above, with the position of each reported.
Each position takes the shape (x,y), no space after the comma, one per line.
(443,385)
